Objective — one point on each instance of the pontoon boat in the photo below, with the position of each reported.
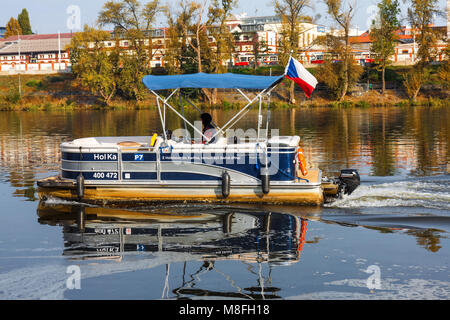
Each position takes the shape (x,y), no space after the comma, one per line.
(173,167)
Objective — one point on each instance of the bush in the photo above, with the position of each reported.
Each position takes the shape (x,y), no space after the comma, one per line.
(37,84)
(362,104)
(56,79)
(13,96)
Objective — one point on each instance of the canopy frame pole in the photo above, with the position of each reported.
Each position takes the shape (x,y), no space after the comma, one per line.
(180,96)
(239,119)
(178,114)
(161,118)
(170,96)
(269,113)
(259,118)
(251,102)
(244,95)
(165,102)
(199,111)
(251,107)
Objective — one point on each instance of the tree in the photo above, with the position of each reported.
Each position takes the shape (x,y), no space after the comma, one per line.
(186,24)
(413,81)
(24,21)
(132,22)
(218,14)
(444,69)
(291,14)
(13,28)
(342,47)
(334,74)
(95,68)
(384,36)
(192,28)
(259,49)
(420,15)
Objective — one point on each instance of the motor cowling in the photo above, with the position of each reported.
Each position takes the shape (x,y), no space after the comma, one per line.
(349,181)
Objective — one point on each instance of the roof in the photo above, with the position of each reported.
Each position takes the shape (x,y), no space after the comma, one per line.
(404,35)
(210,81)
(33,46)
(38,37)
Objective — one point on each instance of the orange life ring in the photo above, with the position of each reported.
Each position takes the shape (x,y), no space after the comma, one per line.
(302,162)
(13,65)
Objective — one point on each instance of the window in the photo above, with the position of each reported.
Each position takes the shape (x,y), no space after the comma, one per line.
(405,52)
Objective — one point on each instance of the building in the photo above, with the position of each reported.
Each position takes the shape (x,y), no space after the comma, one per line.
(45,53)
(158,45)
(405,50)
(266,33)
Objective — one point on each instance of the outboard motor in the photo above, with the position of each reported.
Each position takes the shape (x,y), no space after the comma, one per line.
(349,181)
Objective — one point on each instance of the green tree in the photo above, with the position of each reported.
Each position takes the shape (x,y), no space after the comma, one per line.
(175,46)
(192,28)
(384,36)
(223,47)
(334,74)
(291,14)
(94,67)
(444,69)
(218,14)
(342,49)
(187,24)
(421,14)
(13,28)
(24,21)
(132,21)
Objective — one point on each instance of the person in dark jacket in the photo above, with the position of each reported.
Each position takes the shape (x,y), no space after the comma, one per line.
(209,130)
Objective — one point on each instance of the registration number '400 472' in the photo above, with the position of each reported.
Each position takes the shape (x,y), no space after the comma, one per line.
(105,175)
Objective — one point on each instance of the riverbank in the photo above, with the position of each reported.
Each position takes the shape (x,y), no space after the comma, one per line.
(44,92)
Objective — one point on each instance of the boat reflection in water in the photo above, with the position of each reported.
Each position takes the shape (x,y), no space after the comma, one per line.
(205,234)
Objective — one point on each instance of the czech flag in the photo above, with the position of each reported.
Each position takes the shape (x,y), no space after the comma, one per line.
(298,73)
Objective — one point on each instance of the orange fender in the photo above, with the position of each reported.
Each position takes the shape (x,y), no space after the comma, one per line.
(302,162)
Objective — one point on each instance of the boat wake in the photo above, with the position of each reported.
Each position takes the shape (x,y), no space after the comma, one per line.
(431,192)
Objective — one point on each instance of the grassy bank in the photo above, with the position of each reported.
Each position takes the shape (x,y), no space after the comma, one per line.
(46,92)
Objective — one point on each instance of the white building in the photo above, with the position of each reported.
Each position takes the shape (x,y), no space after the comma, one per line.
(266,32)
(35,53)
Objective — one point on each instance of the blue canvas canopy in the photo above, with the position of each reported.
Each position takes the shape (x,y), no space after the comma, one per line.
(211,81)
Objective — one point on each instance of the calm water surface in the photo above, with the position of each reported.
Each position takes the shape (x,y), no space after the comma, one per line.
(394,228)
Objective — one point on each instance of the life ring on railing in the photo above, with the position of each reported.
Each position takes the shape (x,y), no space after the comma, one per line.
(302,162)
(13,65)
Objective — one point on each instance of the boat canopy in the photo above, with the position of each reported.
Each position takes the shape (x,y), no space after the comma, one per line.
(211,81)
(237,82)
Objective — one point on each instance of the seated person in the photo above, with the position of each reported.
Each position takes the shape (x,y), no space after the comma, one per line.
(209,130)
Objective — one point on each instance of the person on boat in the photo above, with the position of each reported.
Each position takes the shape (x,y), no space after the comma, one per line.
(209,130)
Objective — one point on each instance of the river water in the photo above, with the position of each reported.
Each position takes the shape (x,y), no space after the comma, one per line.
(388,240)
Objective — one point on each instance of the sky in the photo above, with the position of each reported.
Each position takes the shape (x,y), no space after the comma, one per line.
(52,16)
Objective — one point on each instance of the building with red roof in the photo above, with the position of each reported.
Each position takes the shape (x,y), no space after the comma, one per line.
(406,46)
